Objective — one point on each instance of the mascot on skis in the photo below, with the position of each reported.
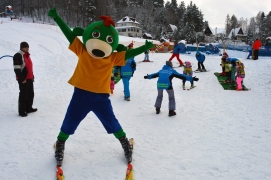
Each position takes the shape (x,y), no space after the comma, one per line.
(91,78)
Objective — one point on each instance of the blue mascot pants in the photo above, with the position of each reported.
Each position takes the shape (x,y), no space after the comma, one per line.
(82,103)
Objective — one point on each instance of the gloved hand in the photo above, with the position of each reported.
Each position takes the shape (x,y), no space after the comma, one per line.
(195,79)
(149,44)
(146,77)
(121,47)
(116,74)
(52,13)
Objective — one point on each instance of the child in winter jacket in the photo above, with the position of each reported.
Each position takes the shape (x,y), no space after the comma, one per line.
(126,72)
(249,49)
(223,62)
(112,84)
(232,61)
(146,58)
(240,74)
(164,82)
(227,70)
(200,58)
(188,72)
(176,53)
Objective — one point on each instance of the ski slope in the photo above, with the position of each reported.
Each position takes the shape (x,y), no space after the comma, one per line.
(216,134)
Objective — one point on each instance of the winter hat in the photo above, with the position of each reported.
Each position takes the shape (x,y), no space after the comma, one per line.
(225,55)
(169,63)
(187,64)
(24,45)
(131,45)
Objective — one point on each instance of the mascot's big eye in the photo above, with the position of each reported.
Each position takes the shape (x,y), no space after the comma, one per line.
(109,39)
(96,34)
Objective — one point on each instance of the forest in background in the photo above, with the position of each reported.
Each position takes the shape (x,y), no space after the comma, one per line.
(154,16)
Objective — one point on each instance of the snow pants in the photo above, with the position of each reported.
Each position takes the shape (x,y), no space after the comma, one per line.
(82,103)
(126,85)
(171,98)
(249,54)
(26,96)
(201,65)
(146,57)
(239,83)
(178,58)
(233,71)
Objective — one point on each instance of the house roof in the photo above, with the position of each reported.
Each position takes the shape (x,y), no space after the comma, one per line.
(147,34)
(211,29)
(235,31)
(128,19)
(124,27)
(173,27)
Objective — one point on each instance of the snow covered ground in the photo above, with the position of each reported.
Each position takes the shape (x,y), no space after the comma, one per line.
(216,134)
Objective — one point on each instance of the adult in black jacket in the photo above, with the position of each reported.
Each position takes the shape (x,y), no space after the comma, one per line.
(23,69)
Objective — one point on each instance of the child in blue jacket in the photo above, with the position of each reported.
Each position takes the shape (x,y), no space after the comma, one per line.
(176,53)
(164,82)
(200,58)
(126,72)
(232,61)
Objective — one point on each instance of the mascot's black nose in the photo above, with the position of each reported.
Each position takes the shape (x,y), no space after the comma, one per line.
(98,53)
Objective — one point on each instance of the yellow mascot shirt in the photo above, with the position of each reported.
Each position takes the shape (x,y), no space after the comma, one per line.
(92,74)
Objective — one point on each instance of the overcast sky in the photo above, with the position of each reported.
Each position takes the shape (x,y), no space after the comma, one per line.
(215,11)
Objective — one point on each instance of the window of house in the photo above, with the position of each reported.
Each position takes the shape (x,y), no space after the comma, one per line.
(123,30)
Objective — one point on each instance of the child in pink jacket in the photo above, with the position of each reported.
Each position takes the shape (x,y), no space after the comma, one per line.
(112,84)
(240,75)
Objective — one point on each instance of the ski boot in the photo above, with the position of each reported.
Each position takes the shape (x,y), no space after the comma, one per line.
(198,70)
(157,110)
(127,98)
(128,151)
(171,113)
(59,151)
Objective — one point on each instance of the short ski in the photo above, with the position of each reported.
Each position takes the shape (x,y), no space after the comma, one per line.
(191,88)
(59,173)
(130,170)
(146,61)
(201,71)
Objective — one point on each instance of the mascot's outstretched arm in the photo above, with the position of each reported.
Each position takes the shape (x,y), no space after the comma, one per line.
(136,51)
(63,26)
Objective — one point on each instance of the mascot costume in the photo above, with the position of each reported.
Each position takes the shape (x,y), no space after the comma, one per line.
(91,78)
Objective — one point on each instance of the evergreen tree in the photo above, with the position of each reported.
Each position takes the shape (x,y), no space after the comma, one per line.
(190,33)
(262,27)
(234,22)
(249,36)
(228,24)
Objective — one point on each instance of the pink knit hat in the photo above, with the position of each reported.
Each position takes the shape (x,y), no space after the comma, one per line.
(187,64)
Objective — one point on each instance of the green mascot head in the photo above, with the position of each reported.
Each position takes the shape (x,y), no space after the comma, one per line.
(101,38)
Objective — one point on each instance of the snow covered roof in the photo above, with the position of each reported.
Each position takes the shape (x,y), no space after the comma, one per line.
(234,31)
(128,19)
(173,27)
(148,35)
(124,27)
